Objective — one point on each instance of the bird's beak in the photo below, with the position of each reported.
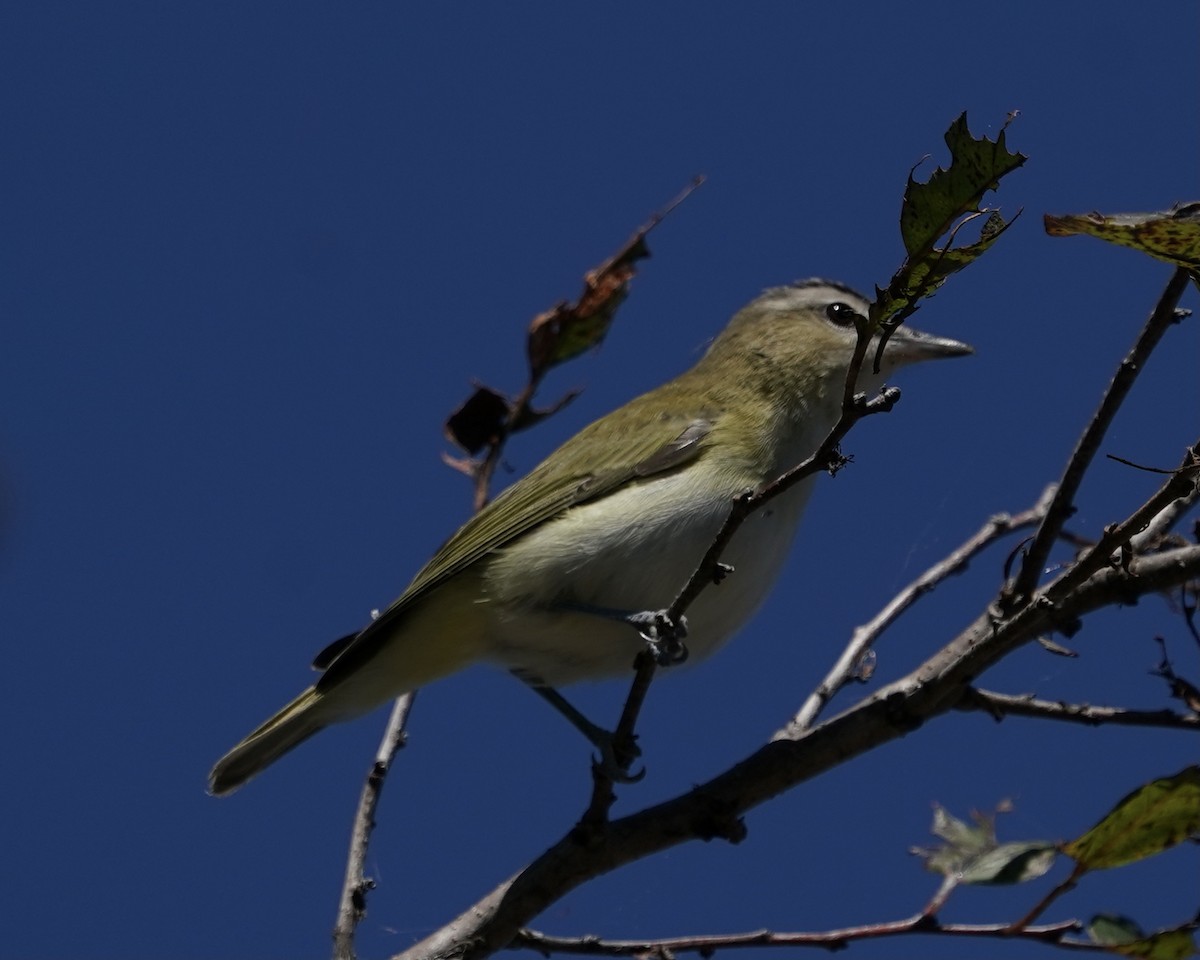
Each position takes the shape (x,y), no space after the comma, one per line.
(909,345)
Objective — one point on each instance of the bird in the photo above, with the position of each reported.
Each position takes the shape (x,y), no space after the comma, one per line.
(558,577)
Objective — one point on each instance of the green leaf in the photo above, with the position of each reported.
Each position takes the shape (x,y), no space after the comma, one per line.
(1010,863)
(930,209)
(942,205)
(1109,929)
(1151,819)
(1172,235)
(1125,937)
(972,855)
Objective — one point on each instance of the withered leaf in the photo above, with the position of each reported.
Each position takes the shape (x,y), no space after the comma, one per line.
(481,418)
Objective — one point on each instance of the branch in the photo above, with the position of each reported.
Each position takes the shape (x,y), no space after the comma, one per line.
(1052,933)
(1089,443)
(1165,521)
(1115,545)
(352,905)
(847,666)
(794,756)
(1000,705)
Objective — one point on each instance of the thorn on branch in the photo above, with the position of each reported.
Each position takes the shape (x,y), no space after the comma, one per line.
(837,460)
(721,571)
(887,399)
(1056,648)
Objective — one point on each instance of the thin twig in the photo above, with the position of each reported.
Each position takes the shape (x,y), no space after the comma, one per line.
(1044,904)
(352,906)
(487,466)
(1000,705)
(1165,521)
(1163,316)
(846,667)
(1119,536)
(1052,933)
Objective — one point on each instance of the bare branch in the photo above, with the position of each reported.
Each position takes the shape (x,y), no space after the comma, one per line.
(1052,933)
(352,905)
(1165,521)
(794,756)
(1163,316)
(1063,888)
(846,667)
(1001,705)
(1118,537)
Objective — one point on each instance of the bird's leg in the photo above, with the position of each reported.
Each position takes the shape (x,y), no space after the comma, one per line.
(616,753)
(663,632)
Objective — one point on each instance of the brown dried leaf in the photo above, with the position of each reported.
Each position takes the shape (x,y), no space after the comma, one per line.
(567,330)
(482,417)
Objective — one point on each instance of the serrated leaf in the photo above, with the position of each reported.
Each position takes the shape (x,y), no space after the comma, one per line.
(927,274)
(1171,235)
(931,208)
(943,204)
(1126,938)
(1149,820)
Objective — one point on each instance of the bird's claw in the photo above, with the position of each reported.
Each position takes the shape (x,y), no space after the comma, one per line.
(614,761)
(663,635)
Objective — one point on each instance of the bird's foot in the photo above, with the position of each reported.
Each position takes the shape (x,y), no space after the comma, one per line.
(617,754)
(663,635)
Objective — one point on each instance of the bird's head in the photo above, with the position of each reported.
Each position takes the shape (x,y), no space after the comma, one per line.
(809,329)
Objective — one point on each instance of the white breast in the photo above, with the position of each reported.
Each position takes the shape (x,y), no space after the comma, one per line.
(554,597)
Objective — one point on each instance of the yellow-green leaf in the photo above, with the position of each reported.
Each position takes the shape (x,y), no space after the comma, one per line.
(1124,937)
(1172,235)
(1151,819)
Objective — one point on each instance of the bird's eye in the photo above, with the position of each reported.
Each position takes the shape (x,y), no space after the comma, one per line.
(841,314)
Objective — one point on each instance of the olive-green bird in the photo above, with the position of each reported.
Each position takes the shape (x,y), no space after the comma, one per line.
(554,579)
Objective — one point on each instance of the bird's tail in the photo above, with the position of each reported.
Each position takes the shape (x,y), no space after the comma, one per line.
(289,728)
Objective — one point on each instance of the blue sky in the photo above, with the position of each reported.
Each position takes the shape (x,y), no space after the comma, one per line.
(253,255)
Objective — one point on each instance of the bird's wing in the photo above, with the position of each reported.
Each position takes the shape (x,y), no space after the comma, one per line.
(568,478)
